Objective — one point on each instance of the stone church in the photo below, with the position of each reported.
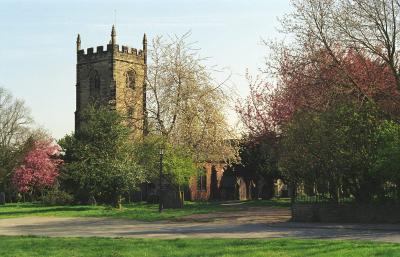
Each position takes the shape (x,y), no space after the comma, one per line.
(115,76)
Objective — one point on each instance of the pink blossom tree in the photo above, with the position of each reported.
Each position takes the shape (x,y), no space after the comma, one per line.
(39,169)
(313,84)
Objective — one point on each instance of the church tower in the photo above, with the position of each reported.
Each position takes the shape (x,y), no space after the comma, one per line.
(115,77)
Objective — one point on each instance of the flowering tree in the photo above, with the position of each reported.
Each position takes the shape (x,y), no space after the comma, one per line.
(314,83)
(255,109)
(184,103)
(39,169)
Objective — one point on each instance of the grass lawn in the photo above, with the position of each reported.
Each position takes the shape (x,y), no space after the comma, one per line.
(71,247)
(137,211)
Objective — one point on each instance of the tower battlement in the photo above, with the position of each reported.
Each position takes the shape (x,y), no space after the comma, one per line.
(100,50)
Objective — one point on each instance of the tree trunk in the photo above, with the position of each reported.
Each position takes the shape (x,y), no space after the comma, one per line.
(118,202)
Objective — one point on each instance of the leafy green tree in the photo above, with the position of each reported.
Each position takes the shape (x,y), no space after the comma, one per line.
(178,164)
(334,151)
(99,158)
(388,154)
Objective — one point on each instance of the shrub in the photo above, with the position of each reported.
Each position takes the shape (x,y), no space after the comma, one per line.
(57,197)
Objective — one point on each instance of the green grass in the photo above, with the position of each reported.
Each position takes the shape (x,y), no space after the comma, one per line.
(73,247)
(137,211)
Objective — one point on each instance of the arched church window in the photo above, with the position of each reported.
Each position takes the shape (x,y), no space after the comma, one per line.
(95,85)
(131,79)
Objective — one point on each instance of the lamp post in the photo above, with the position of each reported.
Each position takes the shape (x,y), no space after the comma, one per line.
(160,201)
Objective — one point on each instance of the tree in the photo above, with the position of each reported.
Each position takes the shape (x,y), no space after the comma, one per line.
(260,156)
(387,161)
(333,151)
(184,104)
(14,120)
(338,27)
(99,158)
(255,110)
(341,60)
(39,169)
(314,84)
(178,167)
(14,130)
(178,163)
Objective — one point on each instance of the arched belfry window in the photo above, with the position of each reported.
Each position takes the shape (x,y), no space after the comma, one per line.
(131,79)
(94,85)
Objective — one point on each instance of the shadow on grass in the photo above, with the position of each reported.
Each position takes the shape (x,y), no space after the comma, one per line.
(44,210)
(139,211)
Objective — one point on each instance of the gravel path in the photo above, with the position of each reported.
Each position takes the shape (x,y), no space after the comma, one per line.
(252,223)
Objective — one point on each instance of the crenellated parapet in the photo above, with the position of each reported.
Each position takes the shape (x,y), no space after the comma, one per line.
(117,51)
(111,49)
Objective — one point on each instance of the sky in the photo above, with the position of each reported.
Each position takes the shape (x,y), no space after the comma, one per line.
(38,50)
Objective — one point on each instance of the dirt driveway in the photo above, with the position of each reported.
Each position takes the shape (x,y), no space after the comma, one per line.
(255,222)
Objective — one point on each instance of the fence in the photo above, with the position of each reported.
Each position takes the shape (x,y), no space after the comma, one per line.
(322,207)
(388,195)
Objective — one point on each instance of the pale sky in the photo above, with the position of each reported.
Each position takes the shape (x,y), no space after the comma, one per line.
(38,54)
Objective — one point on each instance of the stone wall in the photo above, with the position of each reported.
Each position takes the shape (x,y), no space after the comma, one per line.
(350,213)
